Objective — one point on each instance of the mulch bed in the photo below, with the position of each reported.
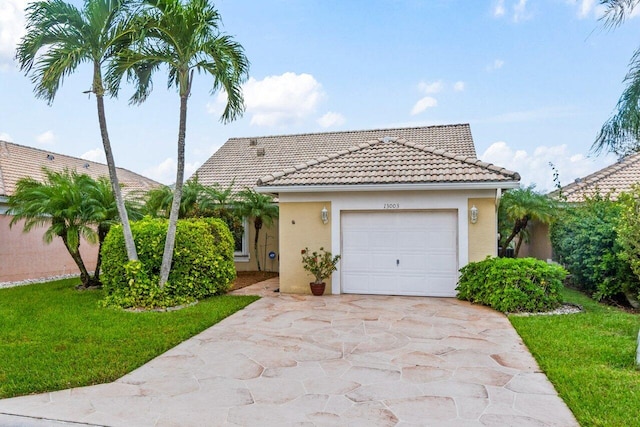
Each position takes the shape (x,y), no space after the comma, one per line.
(246,278)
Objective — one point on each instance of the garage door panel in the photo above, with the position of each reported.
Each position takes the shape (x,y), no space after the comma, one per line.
(400,253)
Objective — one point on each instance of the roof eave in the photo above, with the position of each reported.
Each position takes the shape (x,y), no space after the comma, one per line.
(482,185)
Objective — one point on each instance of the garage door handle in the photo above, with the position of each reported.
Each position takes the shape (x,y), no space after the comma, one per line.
(397,262)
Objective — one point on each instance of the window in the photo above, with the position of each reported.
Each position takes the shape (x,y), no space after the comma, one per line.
(241,252)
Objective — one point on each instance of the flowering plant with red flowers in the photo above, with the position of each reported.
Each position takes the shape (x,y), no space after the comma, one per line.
(321,263)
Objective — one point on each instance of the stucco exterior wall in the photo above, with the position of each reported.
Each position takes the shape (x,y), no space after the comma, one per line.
(483,235)
(25,255)
(539,245)
(269,236)
(301,227)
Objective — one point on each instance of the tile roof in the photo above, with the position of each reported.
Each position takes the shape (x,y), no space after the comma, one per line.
(389,161)
(612,180)
(18,161)
(244,160)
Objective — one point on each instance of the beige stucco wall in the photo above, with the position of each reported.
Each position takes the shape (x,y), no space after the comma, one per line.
(483,234)
(301,227)
(539,245)
(26,256)
(268,234)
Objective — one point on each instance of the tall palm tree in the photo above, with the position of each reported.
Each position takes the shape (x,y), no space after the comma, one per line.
(60,202)
(517,208)
(620,134)
(185,37)
(59,37)
(261,208)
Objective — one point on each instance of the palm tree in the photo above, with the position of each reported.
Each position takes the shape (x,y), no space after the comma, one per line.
(60,202)
(59,38)
(261,208)
(519,207)
(620,134)
(186,38)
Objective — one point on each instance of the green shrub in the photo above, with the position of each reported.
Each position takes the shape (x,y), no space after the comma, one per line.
(202,263)
(585,240)
(512,284)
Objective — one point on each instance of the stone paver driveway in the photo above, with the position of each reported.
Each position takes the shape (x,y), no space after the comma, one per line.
(324,361)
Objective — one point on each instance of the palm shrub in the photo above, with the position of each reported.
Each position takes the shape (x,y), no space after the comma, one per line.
(628,239)
(512,284)
(202,264)
(585,240)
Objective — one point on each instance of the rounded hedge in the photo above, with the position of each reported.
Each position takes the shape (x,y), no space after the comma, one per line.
(202,263)
(512,285)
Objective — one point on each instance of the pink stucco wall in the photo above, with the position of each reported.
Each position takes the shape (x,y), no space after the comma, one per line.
(26,256)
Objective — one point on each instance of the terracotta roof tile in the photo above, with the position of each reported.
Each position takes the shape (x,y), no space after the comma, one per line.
(613,180)
(19,161)
(379,162)
(236,161)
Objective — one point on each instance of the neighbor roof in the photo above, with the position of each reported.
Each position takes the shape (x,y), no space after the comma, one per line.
(389,161)
(244,160)
(18,161)
(612,180)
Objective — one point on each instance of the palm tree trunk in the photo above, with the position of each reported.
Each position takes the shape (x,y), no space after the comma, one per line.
(169,243)
(102,234)
(75,255)
(517,251)
(132,254)
(258,226)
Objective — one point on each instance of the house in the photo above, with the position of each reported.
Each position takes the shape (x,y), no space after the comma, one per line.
(405,208)
(25,256)
(617,178)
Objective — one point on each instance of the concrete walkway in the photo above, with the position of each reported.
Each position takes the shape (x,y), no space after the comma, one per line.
(324,361)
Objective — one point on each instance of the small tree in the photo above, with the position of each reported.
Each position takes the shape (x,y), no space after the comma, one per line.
(519,207)
(261,208)
(61,203)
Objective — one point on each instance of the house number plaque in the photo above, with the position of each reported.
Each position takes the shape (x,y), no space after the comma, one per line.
(392,205)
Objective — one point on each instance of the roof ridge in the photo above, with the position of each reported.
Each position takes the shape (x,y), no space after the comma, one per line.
(459,157)
(400,141)
(601,174)
(320,159)
(351,131)
(73,157)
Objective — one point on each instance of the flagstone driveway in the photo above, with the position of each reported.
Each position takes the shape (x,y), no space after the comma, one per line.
(332,360)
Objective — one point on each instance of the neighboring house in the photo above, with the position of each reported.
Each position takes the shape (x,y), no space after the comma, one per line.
(398,204)
(25,255)
(612,180)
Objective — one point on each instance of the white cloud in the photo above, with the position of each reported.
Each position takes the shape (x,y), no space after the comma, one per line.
(95,155)
(165,172)
(331,119)
(458,86)
(280,100)
(520,11)
(423,104)
(534,167)
(46,138)
(5,137)
(12,24)
(498,9)
(495,65)
(429,88)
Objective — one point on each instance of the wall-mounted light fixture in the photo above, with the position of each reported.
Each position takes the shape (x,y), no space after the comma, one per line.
(473,214)
(324,215)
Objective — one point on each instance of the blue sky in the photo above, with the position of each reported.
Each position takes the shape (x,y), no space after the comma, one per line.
(535,79)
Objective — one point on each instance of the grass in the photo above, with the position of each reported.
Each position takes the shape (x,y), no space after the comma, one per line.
(53,337)
(590,359)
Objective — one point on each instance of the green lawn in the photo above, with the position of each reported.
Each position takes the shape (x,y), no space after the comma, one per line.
(53,337)
(590,359)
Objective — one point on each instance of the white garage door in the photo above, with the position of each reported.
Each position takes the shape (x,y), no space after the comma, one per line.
(400,253)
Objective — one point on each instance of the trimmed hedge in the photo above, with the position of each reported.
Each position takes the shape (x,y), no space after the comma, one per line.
(512,285)
(202,263)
